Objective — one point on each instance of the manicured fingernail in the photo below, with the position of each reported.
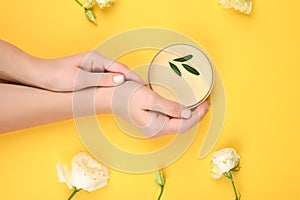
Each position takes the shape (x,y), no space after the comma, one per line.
(186,113)
(119,79)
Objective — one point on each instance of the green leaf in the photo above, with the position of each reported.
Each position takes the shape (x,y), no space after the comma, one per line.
(190,69)
(90,15)
(183,59)
(175,69)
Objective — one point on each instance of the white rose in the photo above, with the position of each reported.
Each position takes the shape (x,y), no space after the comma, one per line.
(105,3)
(86,173)
(244,6)
(223,161)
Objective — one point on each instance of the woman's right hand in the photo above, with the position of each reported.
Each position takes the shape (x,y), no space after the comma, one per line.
(151,113)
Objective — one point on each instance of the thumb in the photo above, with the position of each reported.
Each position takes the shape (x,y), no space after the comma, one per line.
(170,108)
(92,79)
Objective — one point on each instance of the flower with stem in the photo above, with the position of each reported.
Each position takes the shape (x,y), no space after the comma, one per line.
(88,10)
(224,162)
(75,191)
(89,4)
(86,174)
(160,180)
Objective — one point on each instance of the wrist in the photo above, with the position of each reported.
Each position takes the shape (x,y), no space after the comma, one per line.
(103,100)
(26,72)
(15,65)
(35,74)
(57,74)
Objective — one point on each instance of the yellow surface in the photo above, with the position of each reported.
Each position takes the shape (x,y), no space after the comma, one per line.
(257,57)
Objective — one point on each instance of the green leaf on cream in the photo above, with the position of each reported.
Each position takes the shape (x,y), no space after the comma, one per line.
(175,69)
(184,58)
(190,69)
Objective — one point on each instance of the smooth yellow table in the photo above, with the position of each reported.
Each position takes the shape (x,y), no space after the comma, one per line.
(256,56)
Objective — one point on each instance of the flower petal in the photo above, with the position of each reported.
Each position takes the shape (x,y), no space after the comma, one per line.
(88,4)
(105,3)
(97,185)
(215,172)
(87,173)
(244,6)
(64,174)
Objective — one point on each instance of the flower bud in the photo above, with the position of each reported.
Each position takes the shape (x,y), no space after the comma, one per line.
(160,180)
(90,15)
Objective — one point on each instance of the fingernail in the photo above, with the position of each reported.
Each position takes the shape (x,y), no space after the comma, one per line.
(186,113)
(119,79)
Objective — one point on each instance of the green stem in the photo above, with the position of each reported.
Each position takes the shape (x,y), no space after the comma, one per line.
(161,192)
(229,175)
(234,189)
(79,3)
(73,193)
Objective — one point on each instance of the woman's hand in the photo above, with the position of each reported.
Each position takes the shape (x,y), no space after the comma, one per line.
(152,114)
(84,70)
(63,74)
(134,102)
(130,99)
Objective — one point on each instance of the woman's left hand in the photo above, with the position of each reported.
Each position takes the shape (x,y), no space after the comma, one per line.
(84,70)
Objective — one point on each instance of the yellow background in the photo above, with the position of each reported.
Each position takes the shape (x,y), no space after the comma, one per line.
(256,55)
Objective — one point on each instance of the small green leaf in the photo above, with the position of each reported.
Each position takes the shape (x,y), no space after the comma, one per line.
(183,59)
(190,69)
(90,15)
(175,69)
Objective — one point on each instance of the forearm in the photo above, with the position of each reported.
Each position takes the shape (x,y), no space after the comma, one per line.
(23,107)
(64,74)
(15,65)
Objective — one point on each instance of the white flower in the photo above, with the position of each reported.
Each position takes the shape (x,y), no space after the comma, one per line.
(105,3)
(223,161)
(88,4)
(86,173)
(244,6)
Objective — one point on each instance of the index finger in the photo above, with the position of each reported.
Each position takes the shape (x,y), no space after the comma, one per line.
(114,66)
(96,62)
